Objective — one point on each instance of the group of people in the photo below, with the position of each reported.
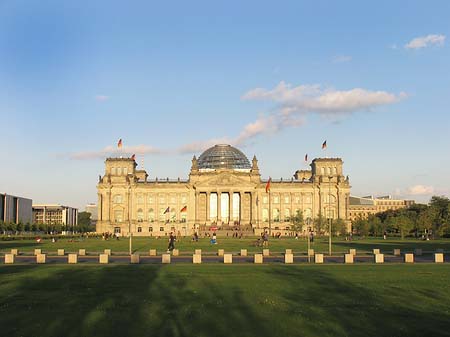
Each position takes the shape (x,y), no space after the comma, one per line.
(107,235)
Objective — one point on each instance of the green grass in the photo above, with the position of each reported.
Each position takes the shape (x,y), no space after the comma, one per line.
(235,300)
(142,245)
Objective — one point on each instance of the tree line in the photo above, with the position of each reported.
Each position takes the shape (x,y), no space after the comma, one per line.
(84,225)
(418,220)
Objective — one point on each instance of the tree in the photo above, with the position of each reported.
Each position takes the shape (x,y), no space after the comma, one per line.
(320,223)
(375,225)
(339,227)
(403,224)
(84,222)
(361,226)
(297,222)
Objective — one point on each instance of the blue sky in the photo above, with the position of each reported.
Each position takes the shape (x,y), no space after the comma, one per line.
(273,78)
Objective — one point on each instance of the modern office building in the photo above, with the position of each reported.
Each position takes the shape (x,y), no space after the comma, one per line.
(224,190)
(55,215)
(15,209)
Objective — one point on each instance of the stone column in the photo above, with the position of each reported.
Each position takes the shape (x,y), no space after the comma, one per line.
(208,201)
(219,206)
(230,207)
(196,206)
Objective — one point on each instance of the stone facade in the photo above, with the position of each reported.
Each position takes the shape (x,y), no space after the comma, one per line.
(365,206)
(217,196)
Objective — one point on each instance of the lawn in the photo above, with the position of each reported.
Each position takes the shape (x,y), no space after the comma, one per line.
(186,246)
(235,300)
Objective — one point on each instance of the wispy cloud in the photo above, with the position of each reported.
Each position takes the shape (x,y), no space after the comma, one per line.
(101,98)
(420,190)
(341,59)
(426,41)
(114,151)
(315,99)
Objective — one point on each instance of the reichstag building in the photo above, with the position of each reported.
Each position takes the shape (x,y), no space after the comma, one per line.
(224,191)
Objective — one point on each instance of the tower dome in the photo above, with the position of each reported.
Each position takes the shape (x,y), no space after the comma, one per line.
(223,156)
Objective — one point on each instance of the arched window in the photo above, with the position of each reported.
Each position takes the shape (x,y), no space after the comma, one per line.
(118,215)
(173,216)
(140,199)
(151,215)
(287,214)
(140,215)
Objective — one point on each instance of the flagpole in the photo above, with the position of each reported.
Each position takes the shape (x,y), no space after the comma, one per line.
(270,213)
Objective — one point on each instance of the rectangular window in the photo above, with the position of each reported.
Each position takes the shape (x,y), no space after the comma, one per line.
(150,199)
(139,229)
(286,199)
(183,198)
(161,229)
(116,229)
(150,229)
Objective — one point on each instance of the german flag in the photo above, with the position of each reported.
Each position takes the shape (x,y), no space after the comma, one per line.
(324,145)
(306,158)
(167,210)
(133,157)
(268,185)
(119,143)
(184,209)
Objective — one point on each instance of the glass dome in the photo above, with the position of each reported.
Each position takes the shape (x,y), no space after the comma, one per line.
(223,156)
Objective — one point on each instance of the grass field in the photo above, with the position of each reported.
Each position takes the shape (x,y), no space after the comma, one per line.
(229,244)
(235,300)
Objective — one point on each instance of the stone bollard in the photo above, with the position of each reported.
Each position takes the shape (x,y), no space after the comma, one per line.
(198,251)
(220,252)
(165,258)
(243,252)
(197,258)
(397,252)
(135,258)
(9,258)
(318,258)
(348,258)
(288,258)
(438,258)
(176,252)
(352,251)
(310,252)
(376,251)
(82,252)
(103,258)
(288,251)
(379,258)
(418,252)
(60,252)
(258,258)
(15,252)
(37,251)
(40,258)
(266,252)
(72,259)
(227,258)
(152,252)
(107,252)
(409,258)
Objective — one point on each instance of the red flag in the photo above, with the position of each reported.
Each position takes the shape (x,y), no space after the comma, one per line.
(184,209)
(167,210)
(268,185)
(119,144)
(324,145)
(306,158)
(133,157)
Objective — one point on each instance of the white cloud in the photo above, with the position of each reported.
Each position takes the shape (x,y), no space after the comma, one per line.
(341,59)
(420,190)
(315,99)
(114,151)
(426,41)
(101,98)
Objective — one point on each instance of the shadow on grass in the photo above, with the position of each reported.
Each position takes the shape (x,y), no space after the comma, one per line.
(335,306)
(120,301)
(389,246)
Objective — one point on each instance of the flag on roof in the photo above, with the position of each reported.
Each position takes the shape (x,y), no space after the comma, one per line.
(133,157)
(324,145)
(306,158)
(119,143)
(268,185)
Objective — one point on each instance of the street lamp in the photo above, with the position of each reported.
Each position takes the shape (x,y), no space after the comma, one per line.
(308,223)
(129,219)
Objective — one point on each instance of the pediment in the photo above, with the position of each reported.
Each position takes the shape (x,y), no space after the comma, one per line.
(225,179)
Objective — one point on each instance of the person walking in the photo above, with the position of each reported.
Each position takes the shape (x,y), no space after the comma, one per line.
(171,242)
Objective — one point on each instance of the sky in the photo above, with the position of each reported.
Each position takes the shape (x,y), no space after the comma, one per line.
(273,78)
